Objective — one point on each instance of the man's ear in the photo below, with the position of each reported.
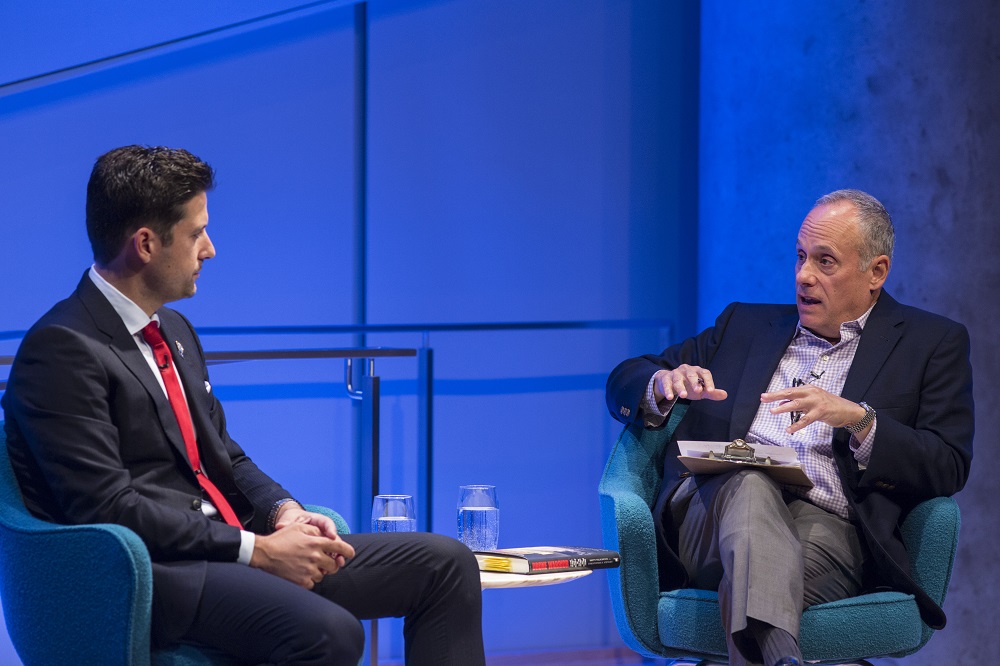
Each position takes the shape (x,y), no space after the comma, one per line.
(142,244)
(879,272)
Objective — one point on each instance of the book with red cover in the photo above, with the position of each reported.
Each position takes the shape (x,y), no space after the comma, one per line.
(546,559)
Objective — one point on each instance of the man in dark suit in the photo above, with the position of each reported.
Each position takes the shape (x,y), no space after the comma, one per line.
(876,398)
(111,418)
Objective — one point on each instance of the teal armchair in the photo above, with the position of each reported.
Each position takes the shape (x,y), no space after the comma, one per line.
(81,594)
(686,624)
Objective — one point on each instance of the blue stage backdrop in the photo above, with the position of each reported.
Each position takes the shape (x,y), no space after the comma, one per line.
(900,100)
(510,161)
(461,161)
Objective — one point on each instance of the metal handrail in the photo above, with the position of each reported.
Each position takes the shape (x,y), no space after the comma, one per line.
(425,373)
(337,329)
(606,324)
(333,329)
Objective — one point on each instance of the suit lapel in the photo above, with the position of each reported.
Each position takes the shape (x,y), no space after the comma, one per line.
(125,348)
(879,337)
(764,354)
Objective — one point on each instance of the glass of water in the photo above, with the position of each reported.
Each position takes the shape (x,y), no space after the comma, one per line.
(478,517)
(393,513)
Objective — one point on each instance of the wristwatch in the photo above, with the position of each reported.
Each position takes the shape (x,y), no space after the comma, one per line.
(865,421)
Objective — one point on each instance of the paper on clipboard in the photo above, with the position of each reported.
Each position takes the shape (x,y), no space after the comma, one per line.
(707,458)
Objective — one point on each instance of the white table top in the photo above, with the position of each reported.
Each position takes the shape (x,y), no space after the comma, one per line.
(491,579)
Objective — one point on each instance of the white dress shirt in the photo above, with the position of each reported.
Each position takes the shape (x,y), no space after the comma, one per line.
(813,360)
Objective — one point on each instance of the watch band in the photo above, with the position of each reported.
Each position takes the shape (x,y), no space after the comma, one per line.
(865,421)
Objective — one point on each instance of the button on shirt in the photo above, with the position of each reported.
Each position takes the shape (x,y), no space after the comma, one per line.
(135,319)
(811,360)
(816,361)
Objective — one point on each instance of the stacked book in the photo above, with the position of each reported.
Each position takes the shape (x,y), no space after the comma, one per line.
(546,559)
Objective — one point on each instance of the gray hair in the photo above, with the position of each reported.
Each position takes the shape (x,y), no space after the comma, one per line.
(877,234)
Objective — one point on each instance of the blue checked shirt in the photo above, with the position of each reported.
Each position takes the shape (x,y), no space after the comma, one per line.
(816,361)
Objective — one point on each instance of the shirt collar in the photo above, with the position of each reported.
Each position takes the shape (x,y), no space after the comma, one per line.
(848,330)
(134,317)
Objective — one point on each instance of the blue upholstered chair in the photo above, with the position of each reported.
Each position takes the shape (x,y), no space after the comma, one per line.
(686,624)
(81,594)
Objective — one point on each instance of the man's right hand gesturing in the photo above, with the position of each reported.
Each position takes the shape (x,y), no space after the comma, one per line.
(686,381)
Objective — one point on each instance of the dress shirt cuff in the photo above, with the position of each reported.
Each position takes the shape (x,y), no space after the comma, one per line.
(863,448)
(653,413)
(247,541)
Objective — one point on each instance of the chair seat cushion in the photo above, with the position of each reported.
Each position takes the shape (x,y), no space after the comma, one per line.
(869,625)
(690,617)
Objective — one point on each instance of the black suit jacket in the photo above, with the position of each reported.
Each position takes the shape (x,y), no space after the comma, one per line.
(911,366)
(93,439)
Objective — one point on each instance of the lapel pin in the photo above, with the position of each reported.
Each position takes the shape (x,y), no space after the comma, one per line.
(180,348)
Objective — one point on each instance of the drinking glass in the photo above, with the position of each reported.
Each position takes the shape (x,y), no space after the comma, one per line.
(393,513)
(478,517)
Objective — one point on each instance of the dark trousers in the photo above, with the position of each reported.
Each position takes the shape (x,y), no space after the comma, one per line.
(430,580)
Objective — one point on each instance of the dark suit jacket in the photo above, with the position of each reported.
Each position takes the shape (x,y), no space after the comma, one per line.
(93,439)
(911,366)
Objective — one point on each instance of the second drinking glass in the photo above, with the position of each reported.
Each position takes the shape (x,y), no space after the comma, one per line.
(478,517)
(393,513)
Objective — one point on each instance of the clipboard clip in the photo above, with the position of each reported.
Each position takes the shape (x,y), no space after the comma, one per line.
(741,452)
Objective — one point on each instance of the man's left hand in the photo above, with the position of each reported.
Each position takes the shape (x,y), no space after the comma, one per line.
(812,404)
(291,513)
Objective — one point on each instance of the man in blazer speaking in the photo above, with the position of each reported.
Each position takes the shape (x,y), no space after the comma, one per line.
(876,398)
(110,418)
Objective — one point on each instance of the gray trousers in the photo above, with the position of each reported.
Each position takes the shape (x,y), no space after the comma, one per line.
(768,553)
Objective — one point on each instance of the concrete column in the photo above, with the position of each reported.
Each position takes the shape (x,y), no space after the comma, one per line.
(901,100)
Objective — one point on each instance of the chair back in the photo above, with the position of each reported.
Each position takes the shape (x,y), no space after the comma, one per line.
(71,594)
(88,585)
(627,492)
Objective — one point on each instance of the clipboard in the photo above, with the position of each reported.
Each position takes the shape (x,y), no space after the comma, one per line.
(780,462)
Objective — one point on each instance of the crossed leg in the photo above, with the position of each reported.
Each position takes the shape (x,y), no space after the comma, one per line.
(769,554)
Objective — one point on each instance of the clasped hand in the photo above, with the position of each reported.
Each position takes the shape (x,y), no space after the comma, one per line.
(811,404)
(303,548)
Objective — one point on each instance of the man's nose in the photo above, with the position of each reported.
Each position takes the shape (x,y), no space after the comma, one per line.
(803,275)
(209,252)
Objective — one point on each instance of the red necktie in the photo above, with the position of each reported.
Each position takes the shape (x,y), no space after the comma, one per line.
(161,352)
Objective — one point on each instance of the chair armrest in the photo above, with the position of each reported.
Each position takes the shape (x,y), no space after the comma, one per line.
(93,582)
(628,487)
(342,527)
(930,533)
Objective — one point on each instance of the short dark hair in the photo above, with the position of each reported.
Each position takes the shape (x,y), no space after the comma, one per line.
(137,186)
(877,234)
